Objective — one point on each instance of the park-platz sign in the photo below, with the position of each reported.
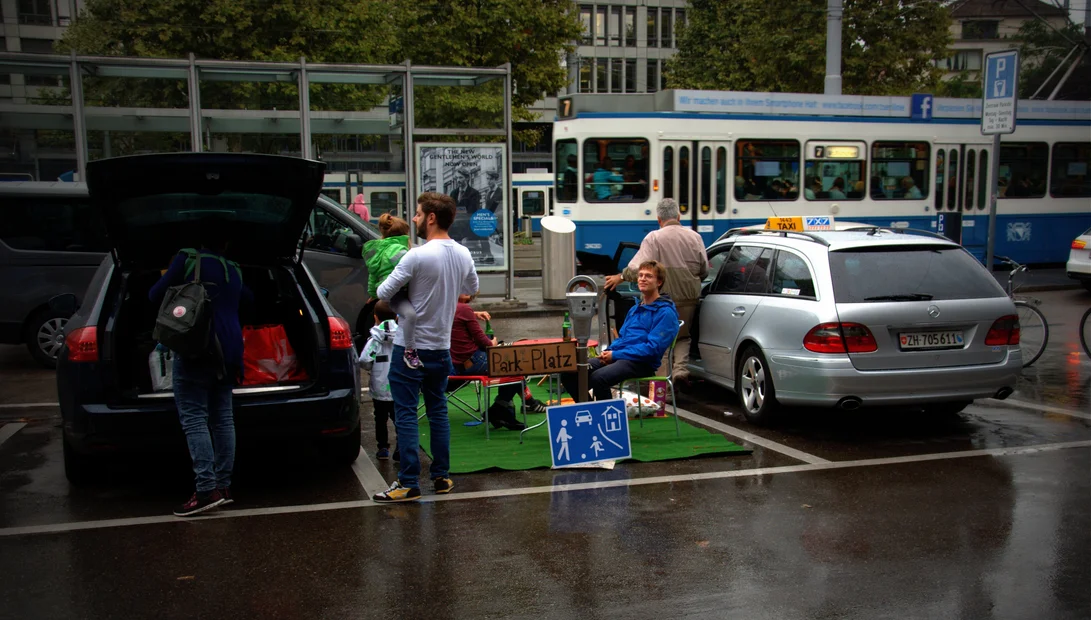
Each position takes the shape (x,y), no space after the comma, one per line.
(999,94)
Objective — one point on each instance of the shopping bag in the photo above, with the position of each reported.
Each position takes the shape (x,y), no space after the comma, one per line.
(161,365)
(268,356)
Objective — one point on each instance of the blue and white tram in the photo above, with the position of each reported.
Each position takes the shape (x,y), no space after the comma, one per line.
(383,192)
(735,159)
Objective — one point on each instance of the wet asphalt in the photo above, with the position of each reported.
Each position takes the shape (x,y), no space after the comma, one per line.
(870,514)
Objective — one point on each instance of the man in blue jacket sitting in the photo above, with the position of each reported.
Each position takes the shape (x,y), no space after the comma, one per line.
(647,333)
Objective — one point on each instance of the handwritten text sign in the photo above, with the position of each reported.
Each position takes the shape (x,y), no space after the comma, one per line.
(532,359)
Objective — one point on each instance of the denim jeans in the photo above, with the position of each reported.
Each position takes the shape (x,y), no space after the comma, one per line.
(406,385)
(204,409)
(601,377)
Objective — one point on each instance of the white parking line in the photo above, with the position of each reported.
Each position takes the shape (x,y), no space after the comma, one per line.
(562,488)
(370,478)
(28,405)
(1022,404)
(7,430)
(751,438)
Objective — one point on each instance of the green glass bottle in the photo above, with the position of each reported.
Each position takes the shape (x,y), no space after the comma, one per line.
(488,329)
(566,328)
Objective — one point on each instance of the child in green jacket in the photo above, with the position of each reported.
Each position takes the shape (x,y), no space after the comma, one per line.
(381,255)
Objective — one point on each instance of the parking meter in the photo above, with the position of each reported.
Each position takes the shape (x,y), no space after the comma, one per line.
(582,294)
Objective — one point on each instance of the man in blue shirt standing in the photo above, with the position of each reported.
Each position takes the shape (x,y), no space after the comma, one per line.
(603,178)
(202,385)
(647,333)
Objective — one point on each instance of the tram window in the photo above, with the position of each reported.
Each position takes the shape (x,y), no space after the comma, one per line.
(615,170)
(982,179)
(683,179)
(1023,167)
(668,172)
(834,180)
(939,179)
(767,170)
(334,194)
(968,204)
(899,170)
(534,203)
(706,179)
(721,180)
(1070,163)
(567,167)
(383,202)
(952,180)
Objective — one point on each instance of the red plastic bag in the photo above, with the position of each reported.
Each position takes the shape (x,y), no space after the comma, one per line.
(268,357)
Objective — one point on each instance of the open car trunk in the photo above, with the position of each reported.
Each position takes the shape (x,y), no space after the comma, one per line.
(278,300)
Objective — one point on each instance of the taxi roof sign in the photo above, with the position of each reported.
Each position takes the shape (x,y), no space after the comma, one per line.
(801,223)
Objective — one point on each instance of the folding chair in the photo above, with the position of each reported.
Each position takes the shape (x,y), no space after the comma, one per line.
(483,386)
(667,379)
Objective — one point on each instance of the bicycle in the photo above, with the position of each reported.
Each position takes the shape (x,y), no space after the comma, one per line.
(1033,327)
(1085,332)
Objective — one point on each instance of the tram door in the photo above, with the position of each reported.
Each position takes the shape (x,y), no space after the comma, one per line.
(961,195)
(695,173)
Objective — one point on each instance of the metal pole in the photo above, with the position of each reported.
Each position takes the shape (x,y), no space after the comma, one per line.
(582,370)
(833,47)
(1064,79)
(990,245)
(79,127)
(194,106)
(410,166)
(304,109)
(1054,72)
(510,228)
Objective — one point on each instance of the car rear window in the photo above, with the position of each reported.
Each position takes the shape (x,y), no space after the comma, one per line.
(160,209)
(909,273)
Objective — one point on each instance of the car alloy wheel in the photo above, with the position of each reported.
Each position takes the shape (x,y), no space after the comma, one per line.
(51,337)
(752,389)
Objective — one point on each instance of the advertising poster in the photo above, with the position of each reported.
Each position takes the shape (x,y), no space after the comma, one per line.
(475,176)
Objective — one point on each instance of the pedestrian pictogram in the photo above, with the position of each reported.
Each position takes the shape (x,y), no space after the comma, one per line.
(588,432)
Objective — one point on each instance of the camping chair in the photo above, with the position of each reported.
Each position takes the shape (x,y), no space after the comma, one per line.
(483,386)
(667,379)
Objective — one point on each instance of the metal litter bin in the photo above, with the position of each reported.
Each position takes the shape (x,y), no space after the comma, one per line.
(558,258)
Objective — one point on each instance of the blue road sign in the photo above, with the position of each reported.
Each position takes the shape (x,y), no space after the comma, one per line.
(588,432)
(1000,92)
(920,108)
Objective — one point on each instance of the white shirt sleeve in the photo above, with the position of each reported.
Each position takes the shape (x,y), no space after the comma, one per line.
(398,278)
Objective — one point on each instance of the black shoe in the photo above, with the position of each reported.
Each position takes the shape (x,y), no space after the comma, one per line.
(226,494)
(200,502)
(500,414)
(443,485)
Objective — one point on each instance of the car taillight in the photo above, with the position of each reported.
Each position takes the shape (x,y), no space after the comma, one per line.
(1079,245)
(340,334)
(840,338)
(1005,330)
(82,344)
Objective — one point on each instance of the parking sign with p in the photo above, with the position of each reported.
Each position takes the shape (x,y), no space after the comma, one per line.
(999,101)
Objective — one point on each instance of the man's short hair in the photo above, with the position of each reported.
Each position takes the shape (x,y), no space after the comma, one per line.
(657,267)
(440,204)
(667,209)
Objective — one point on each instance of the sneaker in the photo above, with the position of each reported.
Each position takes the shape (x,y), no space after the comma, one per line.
(411,359)
(397,493)
(383,454)
(533,405)
(226,494)
(200,502)
(443,485)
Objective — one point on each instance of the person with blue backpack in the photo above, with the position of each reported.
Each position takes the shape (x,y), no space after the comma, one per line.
(203,380)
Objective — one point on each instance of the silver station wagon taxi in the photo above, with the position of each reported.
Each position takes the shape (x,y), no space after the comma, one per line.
(857,316)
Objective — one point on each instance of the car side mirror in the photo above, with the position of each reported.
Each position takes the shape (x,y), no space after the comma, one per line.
(65,304)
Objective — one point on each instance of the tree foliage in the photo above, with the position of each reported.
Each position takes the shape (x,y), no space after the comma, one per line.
(1041,51)
(531,34)
(889,47)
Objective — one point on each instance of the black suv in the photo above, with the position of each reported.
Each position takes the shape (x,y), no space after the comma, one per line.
(154,205)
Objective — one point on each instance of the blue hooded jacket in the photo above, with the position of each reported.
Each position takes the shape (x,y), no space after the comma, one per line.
(647,333)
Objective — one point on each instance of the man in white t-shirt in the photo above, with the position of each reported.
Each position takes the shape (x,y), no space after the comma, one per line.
(436,273)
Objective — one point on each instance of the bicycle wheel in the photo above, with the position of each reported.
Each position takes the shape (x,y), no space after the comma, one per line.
(1085,332)
(1033,332)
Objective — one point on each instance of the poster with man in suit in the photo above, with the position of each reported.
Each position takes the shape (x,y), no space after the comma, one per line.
(472,174)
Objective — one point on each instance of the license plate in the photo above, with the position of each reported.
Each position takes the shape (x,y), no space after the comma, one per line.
(930,340)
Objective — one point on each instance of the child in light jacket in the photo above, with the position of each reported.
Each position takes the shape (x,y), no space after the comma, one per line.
(376,359)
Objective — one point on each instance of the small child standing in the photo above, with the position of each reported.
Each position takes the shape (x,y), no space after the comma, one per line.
(381,256)
(376,358)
